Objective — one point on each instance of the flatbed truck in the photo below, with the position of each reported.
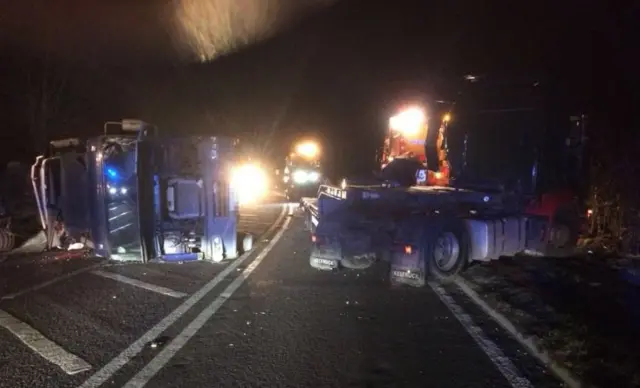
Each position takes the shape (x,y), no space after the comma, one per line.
(438,230)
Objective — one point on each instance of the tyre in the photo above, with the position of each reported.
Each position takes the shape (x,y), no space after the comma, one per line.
(244,242)
(308,223)
(445,248)
(564,233)
(247,243)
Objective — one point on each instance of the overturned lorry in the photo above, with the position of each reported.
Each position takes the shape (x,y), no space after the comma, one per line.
(513,187)
(133,194)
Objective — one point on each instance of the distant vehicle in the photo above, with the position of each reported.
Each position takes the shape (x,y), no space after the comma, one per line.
(302,174)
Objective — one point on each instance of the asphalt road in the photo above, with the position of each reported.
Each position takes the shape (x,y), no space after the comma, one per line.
(266,320)
(87,318)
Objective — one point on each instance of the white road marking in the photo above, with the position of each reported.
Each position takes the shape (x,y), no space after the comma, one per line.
(167,353)
(140,284)
(49,350)
(495,354)
(527,342)
(250,224)
(111,368)
(50,282)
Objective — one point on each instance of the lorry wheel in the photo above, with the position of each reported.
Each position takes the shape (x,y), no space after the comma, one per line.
(247,242)
(564,233)
(244,242)
(307,223)
(445,248)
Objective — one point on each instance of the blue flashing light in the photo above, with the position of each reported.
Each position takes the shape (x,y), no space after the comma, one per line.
(112,173)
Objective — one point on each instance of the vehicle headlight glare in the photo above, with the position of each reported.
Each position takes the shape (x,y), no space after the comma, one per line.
(250,183)
(314,176)
(300,176)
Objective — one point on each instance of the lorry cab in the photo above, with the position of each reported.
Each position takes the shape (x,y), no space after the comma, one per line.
(135,195)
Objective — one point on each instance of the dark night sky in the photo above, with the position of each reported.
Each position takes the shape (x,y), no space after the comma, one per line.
(336,73)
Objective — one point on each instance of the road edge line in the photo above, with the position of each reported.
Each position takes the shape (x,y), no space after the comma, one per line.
(505,366)
(122,359)
(158,362)
(526,342)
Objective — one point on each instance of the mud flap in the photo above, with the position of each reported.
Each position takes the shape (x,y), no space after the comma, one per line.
(407,267)
(358,252)
(326,256)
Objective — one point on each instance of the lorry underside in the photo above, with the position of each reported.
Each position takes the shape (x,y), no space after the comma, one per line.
(139,196)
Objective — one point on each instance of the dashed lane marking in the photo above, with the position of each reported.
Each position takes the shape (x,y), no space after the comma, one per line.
(139,283)
(49,350)
(52,281)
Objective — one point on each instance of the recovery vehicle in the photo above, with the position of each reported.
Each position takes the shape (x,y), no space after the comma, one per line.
(302,173)
(505,180)
(133,194)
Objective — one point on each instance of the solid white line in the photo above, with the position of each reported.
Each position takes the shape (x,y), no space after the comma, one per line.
(495,354)
(50,282)
(49,350)
(104,374)
(527,342)
(140,284)
(167,353)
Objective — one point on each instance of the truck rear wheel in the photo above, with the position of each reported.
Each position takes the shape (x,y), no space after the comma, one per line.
(445,248)
(564,233)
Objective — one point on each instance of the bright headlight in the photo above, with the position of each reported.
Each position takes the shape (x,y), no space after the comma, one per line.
(117,190)
(314,176)
(250,182)
(300,176)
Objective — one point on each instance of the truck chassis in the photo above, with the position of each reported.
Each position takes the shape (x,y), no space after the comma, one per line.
(427,231)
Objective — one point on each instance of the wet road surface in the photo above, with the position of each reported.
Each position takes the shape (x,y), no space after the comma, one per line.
(266,320)
(62,318)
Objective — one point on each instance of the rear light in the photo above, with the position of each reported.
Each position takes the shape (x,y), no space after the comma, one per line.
(318,239)
(403,248)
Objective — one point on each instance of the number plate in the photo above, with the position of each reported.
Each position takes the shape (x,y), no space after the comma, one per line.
(404,274)
(326,262)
